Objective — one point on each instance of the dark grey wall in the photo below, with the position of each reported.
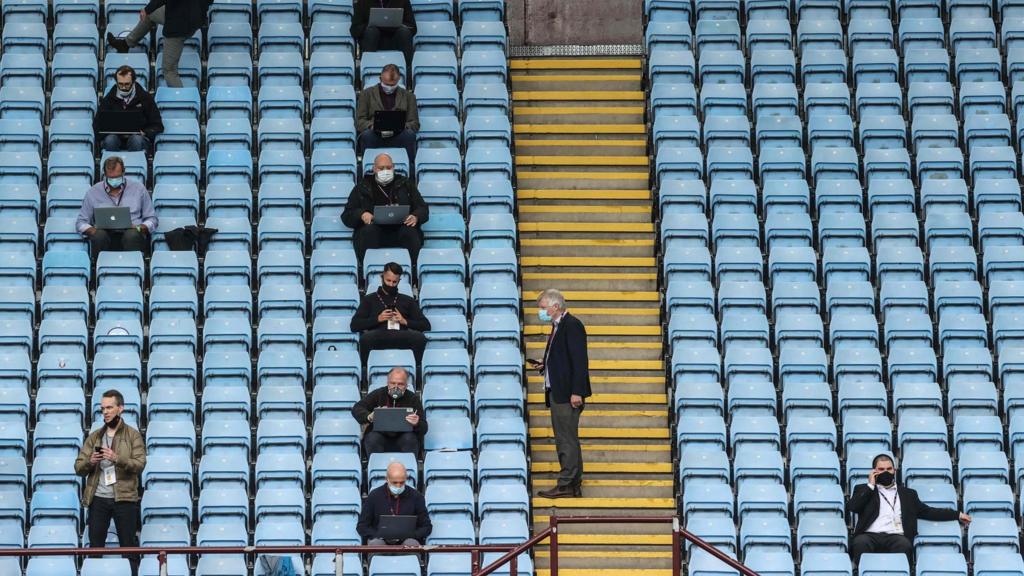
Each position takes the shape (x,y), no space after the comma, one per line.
(585,22)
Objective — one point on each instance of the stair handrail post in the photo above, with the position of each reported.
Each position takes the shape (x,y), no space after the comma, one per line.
(677,552)
(339,563)
(553,545)
(161,559)
(513,566)
(475,555)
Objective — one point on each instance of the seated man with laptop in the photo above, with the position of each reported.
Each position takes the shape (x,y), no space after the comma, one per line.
(127,118)
(386,116)
(395,513)
(384,25)
(117,214)
(386,210)
(393,416)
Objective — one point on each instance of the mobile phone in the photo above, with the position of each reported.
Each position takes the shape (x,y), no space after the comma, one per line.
(97,449)
(533,362)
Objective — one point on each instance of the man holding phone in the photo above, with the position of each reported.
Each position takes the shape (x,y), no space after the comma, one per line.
(112,459)
(389,320)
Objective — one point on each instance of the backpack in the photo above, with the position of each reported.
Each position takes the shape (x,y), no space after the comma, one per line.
(277,565)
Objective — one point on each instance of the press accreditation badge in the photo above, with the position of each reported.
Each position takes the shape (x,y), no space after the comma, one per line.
(109,476)
(394,325)
(897,522)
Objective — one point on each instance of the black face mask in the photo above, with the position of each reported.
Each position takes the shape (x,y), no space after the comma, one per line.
(114,422)
(885,479)
(396,393)
(389,290)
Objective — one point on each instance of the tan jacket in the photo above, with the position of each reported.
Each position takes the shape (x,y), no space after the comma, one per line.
(131,459)
(369,103)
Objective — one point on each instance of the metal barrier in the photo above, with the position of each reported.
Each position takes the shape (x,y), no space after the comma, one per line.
(510,556)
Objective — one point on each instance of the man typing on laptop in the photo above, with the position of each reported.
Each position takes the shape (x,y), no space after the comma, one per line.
(393,416)
(392,99)
(395,513)
(376,228)
(384,25)
(128,218)
(127,118)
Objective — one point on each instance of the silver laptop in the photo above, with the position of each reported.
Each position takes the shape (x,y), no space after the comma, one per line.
(386,17)
(113,217)
(391,419)
(390,215)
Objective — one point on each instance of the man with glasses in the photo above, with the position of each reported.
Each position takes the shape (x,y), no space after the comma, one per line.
(394,498)
(139,130)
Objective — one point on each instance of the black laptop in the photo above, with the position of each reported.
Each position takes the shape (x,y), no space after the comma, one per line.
(396,528)
(122,122)
(389,120)
(391,419)
(386,17)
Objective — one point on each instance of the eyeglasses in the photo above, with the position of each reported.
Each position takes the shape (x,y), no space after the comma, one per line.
(125,85)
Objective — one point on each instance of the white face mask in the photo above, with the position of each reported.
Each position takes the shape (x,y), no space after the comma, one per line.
(388,89)
(385,177)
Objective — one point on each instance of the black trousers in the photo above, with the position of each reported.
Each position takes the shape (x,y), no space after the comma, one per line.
(375,442)
(400,38)
(400,236)
(383,339)
(126,519)
(877,542)
(130,240)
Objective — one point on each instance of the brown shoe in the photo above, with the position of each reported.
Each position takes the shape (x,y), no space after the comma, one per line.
(120,45)
(558,492)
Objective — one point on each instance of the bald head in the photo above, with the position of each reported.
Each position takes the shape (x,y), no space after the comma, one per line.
(383,161)
(397,475)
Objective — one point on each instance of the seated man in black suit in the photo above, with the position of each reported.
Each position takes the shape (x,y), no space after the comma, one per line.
(395,395)
(389,320)
(887,514)
(394,498)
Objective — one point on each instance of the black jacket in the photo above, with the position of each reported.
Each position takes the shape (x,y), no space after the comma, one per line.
(367,193)
(568,366)
(379,399)
(373,303)
(181,17)
(380,502)
(865,503)
(143,101)
(361,14)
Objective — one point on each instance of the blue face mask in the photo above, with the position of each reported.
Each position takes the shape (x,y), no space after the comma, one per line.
(115,182)
(543,315)
(396,490)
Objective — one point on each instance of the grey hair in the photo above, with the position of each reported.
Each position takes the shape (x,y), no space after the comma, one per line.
(554,298)
(399,369)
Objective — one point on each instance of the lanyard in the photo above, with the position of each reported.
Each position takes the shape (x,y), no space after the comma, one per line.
(387,196)
(397,507)
(892,505)
(120,196)
(394,303)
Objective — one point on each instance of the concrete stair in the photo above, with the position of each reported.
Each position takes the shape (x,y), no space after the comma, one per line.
(585,227)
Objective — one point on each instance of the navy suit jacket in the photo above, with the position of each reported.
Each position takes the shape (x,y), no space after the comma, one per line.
(567,365)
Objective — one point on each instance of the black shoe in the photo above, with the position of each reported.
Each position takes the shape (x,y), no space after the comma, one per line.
(577,490)
(558,492)
(120,45)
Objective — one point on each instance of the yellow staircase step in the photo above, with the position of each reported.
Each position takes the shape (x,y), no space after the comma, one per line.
(609,467)
(571,276)
(576,78)
(555,194)
(600,295)
(579,96)
(538,142)
(605,554)
(608,482)
(613,540)
(588,261)
(538,345)
(583,208)
(607,447)
(592,413)
(626,365)
(617,175)
(605,502)
(559,160)
(598,379)
(605,571)
(542,110)
(579,129)
(604,311)
(532,330)
(658,433)
(575,64)
(617,399)
(603,227)
(570,243)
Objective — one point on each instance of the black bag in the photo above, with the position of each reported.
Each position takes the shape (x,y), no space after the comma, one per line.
(195,238)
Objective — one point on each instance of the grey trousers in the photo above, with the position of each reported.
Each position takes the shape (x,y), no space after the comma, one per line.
(172,46)
(565,421)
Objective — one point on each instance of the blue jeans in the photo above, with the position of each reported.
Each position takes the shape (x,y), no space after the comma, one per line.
(118,143)
(404,139)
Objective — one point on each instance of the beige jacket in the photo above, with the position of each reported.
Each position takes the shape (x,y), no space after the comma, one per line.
(131,459)
(369,103)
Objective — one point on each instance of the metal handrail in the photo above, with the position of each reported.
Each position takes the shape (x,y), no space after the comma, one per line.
(510,556)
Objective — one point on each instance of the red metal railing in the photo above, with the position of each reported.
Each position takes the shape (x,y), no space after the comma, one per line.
(510,556)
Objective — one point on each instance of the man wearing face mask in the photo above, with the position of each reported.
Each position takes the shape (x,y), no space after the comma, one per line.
(389,320)
(395,395)
(125,95)
(887,514)
(116,190)
(387,95)
(112,459)
(566,370)
(394,498)
(385,188)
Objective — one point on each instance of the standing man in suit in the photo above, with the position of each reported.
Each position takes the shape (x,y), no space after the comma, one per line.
(887,514)
(566,371)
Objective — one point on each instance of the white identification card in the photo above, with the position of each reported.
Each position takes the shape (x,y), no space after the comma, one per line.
(897,522)
(394,325)
(109,476)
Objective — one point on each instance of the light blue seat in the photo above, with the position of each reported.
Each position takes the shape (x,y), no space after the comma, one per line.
(819,33)
(671,65)
(824,66)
